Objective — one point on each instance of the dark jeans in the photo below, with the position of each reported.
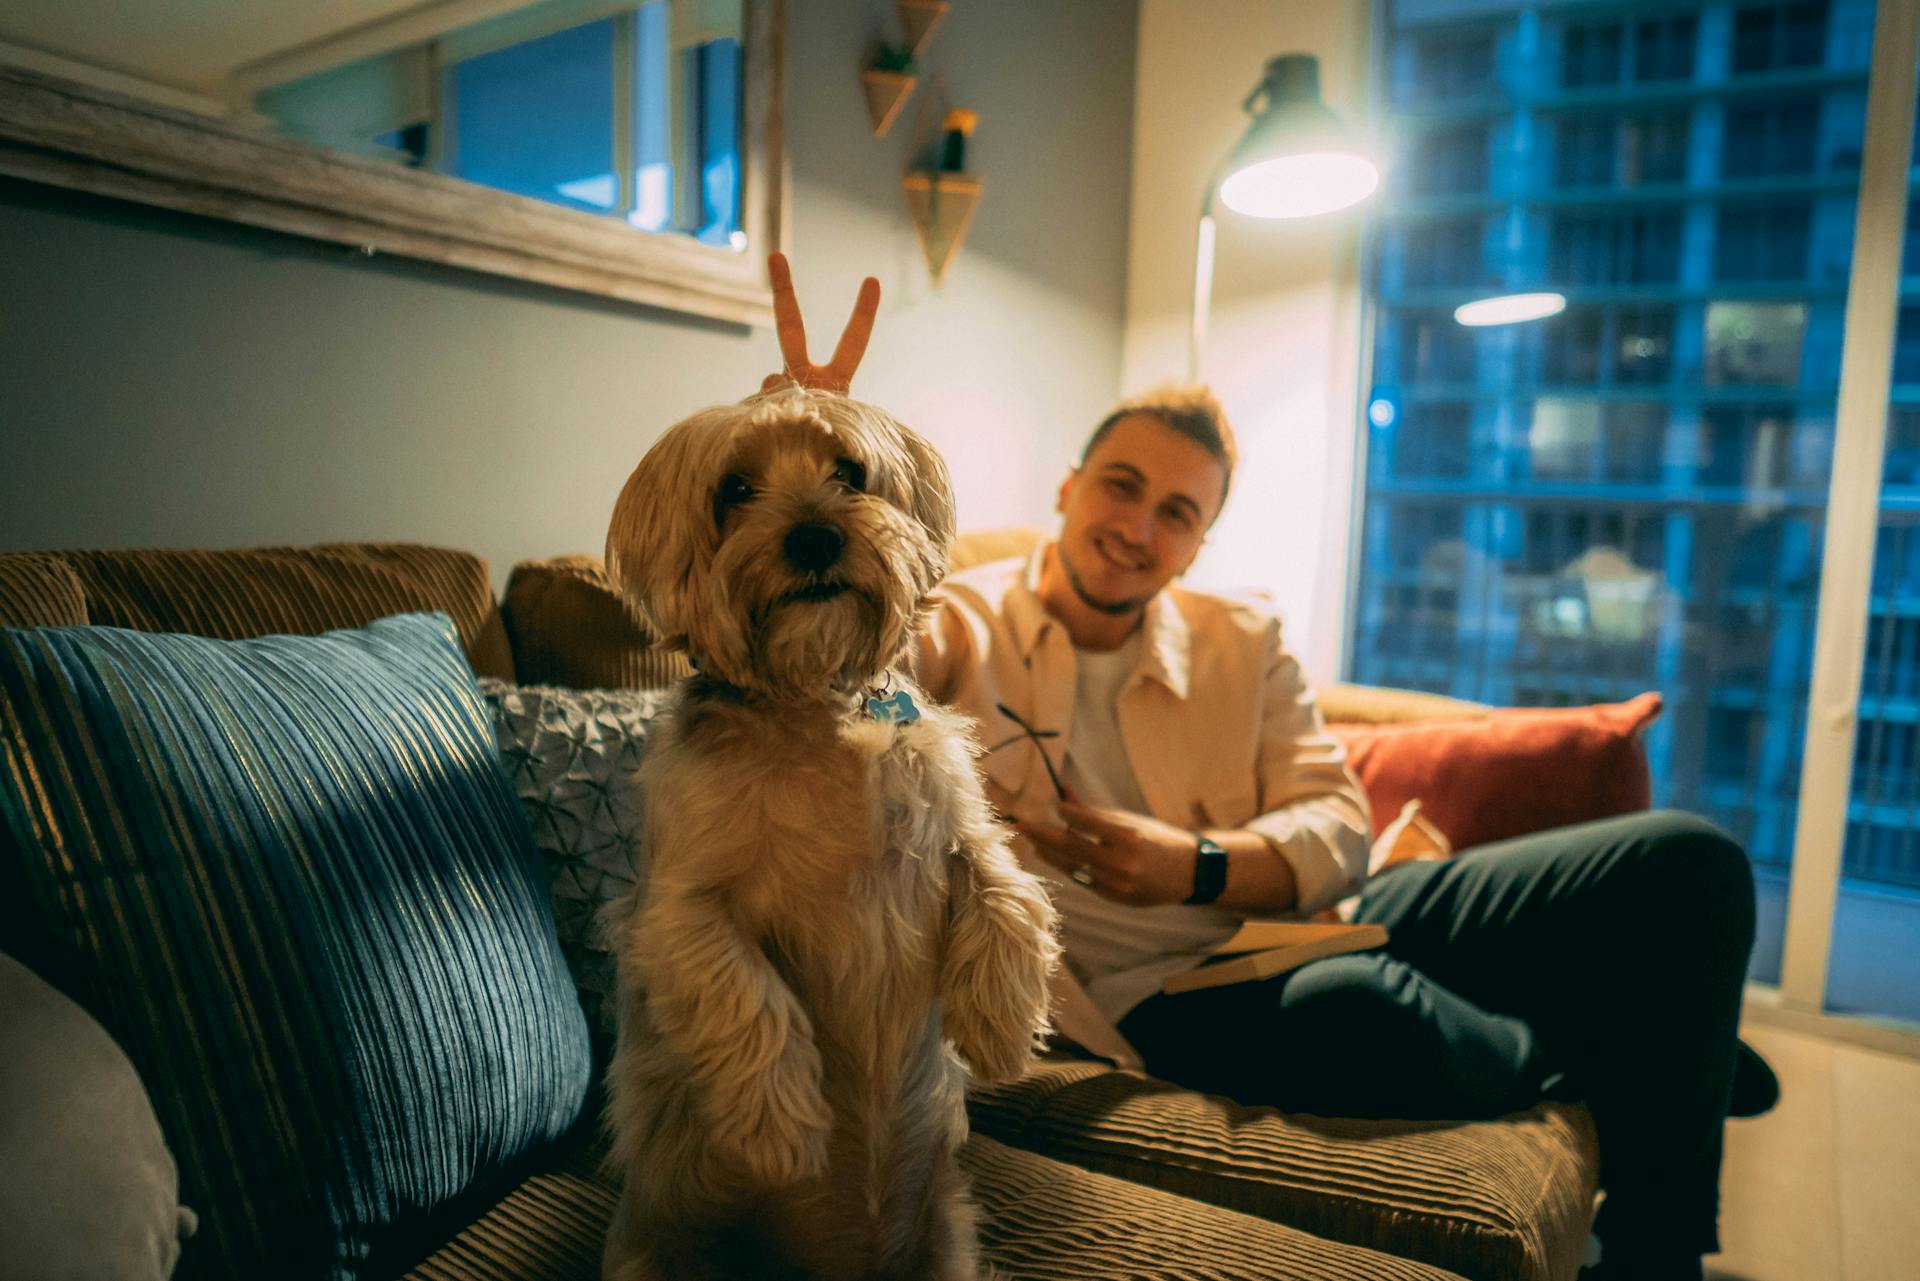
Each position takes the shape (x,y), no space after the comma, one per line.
(1606,958)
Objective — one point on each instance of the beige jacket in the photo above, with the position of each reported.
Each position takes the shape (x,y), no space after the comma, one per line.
(1219,725)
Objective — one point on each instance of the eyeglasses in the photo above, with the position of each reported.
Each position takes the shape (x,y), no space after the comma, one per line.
(1029,733)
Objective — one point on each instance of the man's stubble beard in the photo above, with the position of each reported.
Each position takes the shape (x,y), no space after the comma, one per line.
(1112,608)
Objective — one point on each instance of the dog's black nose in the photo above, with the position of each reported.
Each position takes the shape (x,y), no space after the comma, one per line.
(814,545)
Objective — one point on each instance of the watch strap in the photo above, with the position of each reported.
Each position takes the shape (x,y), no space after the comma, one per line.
(1209,869)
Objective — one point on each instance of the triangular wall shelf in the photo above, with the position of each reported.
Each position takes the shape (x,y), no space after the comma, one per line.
(921,18)
(942,205)
(887,92)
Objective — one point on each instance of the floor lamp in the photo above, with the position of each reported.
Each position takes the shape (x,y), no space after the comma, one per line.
(1296,159)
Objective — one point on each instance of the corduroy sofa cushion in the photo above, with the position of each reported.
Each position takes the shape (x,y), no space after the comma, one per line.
(235,594)
(1510,1199)
(569,627)
(1040,1220)
(288,876)
(38,589)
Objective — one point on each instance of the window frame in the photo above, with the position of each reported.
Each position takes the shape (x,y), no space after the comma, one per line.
(68,133)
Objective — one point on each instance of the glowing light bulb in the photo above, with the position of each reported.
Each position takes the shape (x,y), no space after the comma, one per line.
(1300,186)
(1509,309)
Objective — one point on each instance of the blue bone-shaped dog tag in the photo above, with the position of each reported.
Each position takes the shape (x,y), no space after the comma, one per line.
(898,710)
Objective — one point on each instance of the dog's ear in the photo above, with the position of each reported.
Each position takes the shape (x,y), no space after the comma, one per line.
(661,526)
(930,497)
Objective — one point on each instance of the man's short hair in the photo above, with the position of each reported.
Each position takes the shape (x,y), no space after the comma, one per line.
(1188,408)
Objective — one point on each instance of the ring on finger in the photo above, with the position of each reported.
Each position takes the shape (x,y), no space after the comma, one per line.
(1082,874)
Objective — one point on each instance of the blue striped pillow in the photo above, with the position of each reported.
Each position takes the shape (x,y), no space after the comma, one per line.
(290,878)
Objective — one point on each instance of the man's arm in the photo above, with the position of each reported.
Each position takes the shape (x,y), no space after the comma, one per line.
(1316,815)
(1303,853)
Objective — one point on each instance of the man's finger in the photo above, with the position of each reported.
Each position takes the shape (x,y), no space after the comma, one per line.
(1066,850)
(792,331)
(1082,819)
(853,339)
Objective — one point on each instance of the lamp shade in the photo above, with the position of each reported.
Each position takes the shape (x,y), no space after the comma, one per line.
(1297,158)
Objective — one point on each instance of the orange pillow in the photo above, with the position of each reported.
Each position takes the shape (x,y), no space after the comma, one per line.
(1509,773)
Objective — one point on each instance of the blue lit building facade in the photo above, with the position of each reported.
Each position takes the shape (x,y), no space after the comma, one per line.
(1631,495)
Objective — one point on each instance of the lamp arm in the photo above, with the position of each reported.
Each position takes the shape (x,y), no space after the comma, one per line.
(1202,282)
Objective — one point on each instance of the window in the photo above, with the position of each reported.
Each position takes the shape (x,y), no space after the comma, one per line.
(1754,343)
(536,118)
(1453,65)
(1586,151)
(1575,341)
(1590,55)
(1614,248)
(1906,346)
(1779,37)
(1631,494)
(1771,137)
(1643,346)
(1450,162)
(1436,350)
(1764,242)
(633,116)
(1744,445)
(1441,254)
(1596,441)
(1433,442)
(1627,149)
(1663,48)
(1654,148)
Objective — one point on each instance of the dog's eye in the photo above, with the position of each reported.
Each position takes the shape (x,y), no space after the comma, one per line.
(734,490)
(850,474)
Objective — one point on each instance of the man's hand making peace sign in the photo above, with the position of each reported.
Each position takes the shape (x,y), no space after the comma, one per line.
(837,374)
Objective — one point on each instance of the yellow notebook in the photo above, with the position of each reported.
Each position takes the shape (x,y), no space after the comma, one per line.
(1262,949)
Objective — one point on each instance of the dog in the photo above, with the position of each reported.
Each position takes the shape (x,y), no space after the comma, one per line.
(831,922)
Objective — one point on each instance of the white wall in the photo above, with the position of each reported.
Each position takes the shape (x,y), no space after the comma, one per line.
(1283,351)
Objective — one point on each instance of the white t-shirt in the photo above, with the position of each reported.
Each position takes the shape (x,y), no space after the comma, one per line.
(1118,952)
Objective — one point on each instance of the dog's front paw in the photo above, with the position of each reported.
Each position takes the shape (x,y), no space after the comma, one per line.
(780,1154)
(778,1130)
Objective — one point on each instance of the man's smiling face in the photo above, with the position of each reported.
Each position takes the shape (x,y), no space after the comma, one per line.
(1136,511)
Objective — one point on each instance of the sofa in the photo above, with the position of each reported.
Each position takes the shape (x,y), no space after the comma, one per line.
(1080,1169)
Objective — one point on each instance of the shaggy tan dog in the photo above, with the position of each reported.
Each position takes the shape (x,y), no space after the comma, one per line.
(830,911)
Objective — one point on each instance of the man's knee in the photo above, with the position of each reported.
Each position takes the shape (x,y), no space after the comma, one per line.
(1693,849)
(1690,869)
(1359,992)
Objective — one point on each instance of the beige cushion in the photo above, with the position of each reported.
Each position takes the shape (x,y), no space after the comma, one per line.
(1039,1221)
(90,1189)
(245,592)
(1509,1198)
(983,547)
(1377,704)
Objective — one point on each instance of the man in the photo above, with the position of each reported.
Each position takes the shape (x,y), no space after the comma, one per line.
(1160,749)
(1195,784)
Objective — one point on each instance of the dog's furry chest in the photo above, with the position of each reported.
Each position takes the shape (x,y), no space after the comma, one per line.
(848,817)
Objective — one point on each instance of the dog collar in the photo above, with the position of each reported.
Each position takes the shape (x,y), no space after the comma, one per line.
(898,710)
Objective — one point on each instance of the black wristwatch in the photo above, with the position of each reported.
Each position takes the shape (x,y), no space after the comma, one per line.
(1209,869)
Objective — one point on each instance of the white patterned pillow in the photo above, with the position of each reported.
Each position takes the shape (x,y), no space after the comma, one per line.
(573,757)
